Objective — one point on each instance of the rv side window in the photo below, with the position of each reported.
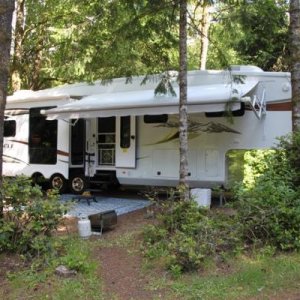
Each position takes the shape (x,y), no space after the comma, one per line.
(149,119)
(9,128)
(42,138)
(218,114)
(125,132)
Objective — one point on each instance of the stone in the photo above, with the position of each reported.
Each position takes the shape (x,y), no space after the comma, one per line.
(63,271)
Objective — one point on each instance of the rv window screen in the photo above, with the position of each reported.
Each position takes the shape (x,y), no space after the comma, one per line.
(125,132)
(9,128)
(42,138)
(236,113)
(149,119)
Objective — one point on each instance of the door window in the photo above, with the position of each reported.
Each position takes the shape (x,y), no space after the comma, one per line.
(106,141)
(125,132)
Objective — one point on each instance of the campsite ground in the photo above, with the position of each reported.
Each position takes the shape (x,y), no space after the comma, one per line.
(122,273)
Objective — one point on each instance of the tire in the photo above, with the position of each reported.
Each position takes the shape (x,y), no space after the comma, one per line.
(58,181)
(78,184)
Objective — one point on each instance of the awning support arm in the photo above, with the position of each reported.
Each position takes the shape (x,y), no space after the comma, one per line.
(257,103)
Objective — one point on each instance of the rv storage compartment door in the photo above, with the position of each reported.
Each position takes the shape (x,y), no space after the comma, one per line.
(126,142)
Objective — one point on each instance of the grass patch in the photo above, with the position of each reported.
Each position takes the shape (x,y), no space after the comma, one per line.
(257,276)
(123,241)
(35,283)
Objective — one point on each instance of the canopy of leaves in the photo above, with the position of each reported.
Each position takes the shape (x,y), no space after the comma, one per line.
(77,40)
(252,32)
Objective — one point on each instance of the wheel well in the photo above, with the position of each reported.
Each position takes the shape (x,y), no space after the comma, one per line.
(57,174)
(38,177)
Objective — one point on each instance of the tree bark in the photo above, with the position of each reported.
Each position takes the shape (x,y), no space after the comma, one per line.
(18,42)
(6,12)
(204,42)
(183,114)
(295,61)
(37,64)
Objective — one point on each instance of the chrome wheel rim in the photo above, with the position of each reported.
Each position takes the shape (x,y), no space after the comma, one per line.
(57,182)
(77,184)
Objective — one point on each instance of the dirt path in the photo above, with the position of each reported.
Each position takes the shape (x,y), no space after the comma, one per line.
(122,267)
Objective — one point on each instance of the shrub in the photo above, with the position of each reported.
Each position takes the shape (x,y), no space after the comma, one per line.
(269,205)
(186,235)
(30,217)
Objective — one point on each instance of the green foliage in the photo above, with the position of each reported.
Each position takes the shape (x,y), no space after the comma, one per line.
(88,40)
(256,277)
(269,200)
(41,281)
(68,41)
(266,215)
(265,29)
(251,32)
(76,256)
(30,217)
(186,235)
(235,163)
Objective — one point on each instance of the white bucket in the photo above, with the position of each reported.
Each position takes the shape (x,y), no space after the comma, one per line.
(84,227)
(202,197)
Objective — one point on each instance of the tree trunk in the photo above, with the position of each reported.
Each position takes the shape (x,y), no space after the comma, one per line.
(18,41)
(204,42)
(295,61)
(37,64)
(183,116)
(6,11)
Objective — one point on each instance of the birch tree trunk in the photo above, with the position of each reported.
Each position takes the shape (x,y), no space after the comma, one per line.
(6,12)
(183,114)
(18,41)
(295,61)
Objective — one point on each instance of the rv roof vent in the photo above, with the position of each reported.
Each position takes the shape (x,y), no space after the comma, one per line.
(245,68)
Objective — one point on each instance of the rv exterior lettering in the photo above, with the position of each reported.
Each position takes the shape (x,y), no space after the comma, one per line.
(8,146)
(123,133)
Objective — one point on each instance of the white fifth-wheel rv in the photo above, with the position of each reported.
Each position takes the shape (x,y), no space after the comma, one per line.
(121,132)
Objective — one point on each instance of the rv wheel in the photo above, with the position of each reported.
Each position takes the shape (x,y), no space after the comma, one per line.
(78,184)
(57,181)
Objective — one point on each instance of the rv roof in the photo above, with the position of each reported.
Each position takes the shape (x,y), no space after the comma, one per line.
(32,96)
(83,89)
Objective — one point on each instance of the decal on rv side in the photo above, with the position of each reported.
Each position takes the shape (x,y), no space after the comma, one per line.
(62,153)
(8,146)
(194,130)
(20,142)
(10,159)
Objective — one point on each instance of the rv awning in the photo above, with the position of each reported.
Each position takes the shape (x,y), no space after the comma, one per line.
(201,98)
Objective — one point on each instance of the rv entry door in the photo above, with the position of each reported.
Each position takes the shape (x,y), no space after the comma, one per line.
(126,142)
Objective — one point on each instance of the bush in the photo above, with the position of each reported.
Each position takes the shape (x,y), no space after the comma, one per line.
(186,235)
(30,218)
(268,204)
